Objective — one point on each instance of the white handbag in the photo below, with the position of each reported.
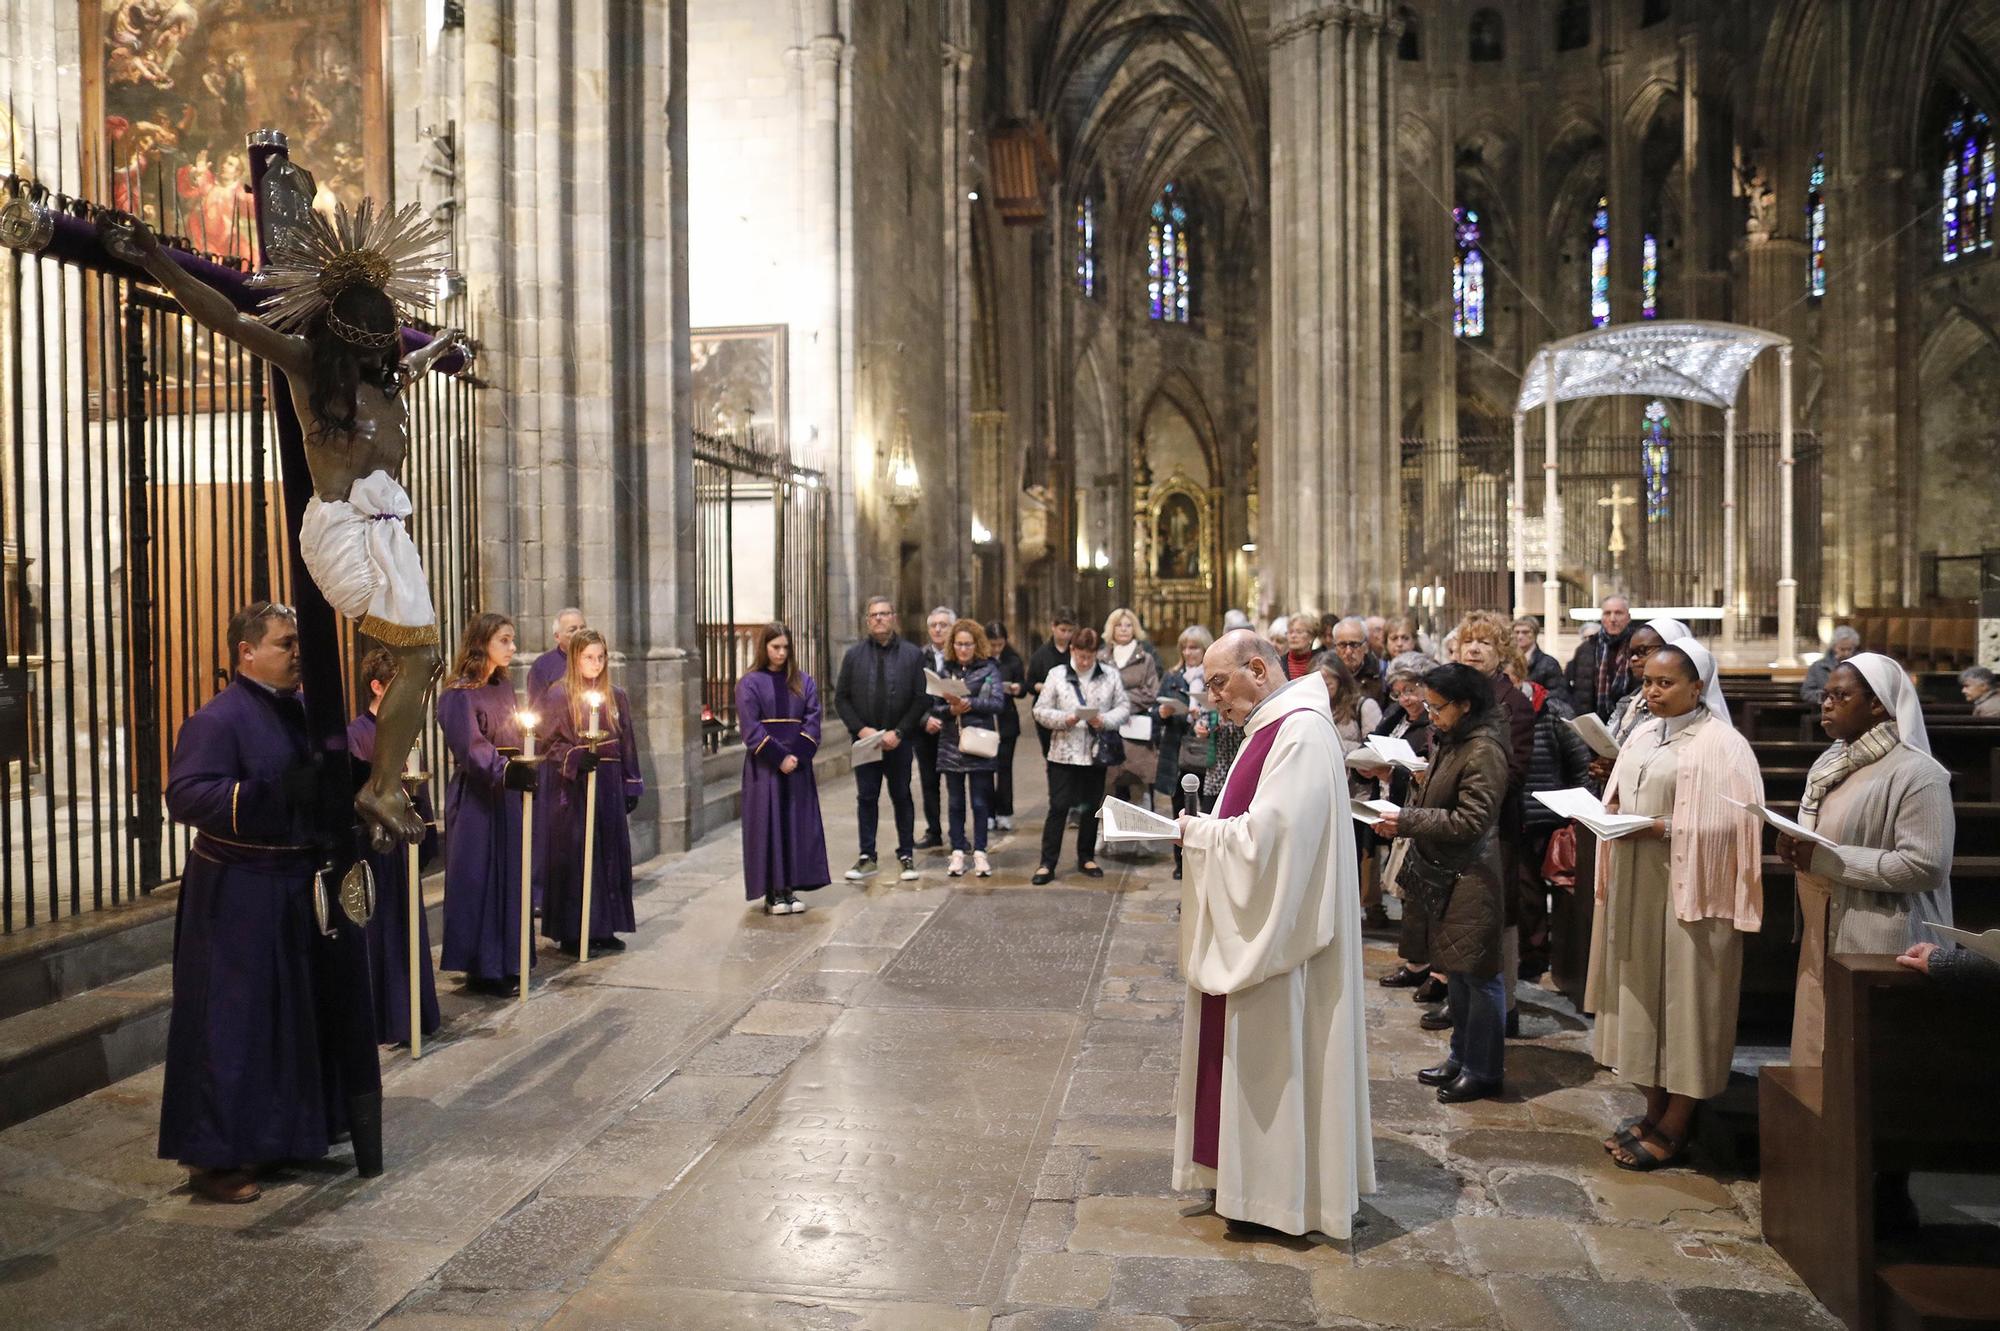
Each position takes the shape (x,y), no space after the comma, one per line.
(978,742)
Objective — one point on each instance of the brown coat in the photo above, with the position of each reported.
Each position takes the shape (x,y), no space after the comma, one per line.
(1458,808)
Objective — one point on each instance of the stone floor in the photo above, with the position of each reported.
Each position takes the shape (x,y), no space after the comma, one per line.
(919,1107)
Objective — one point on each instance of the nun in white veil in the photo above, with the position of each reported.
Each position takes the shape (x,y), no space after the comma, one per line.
(1878,793)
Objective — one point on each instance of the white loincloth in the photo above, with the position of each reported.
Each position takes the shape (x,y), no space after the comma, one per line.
(365,563)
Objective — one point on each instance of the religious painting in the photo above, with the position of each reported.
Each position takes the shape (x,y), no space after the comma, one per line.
(741,381)
(179,84)
(1177,539)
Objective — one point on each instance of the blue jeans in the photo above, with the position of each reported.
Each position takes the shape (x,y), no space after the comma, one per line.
(895,769)
(1478,1023)
(955,784)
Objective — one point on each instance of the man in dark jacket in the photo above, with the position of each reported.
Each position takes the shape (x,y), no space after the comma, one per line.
(881,689)
(1600,672)
(1047,657)
(1348,639)
(1543,669)
(1561,761)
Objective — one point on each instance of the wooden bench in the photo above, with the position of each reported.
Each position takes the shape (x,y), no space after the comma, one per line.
(1907,1085)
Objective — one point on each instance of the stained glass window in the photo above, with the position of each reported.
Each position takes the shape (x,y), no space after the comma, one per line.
(1816,228)
(1468,277)
(1649,278)
(1600,264)
(1169,274)
(1658,443)
(1968,183)
(1086,245)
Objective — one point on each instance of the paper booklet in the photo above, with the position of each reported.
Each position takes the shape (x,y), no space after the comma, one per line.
(1372,812)
(866,751)
(938,686)
(1198,699)
(1387,751)
(1083,714)
(1594,734)
(1170,707)
(1797,831)
(1986,945)
(1129,822)
(1586,808)
(1138,728)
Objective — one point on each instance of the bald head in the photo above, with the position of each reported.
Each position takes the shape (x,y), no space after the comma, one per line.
(1242,670)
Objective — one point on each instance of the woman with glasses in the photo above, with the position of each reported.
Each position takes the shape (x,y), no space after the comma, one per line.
(1408,721)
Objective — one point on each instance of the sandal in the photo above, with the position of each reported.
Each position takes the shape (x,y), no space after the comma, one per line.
(1640,1155)
(1628,1132)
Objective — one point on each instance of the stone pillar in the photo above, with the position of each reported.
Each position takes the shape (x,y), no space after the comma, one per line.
(1439,241)
(822,382)
(1334,308)
(956,84)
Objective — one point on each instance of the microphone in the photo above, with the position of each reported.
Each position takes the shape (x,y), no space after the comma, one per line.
(1191,794)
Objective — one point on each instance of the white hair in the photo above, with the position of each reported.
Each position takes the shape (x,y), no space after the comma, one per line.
(555,625)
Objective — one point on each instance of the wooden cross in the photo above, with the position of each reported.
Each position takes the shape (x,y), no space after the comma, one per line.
(1617,503)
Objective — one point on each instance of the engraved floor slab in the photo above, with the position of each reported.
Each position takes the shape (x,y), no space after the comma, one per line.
(895,1162)
(1010,950)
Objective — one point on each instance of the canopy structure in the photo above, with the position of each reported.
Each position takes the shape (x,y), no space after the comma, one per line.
(1690,359)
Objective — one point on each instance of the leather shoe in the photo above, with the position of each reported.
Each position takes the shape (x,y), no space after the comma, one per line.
(1442,1075)
(227,1187)
(1467,1087)
(1403,978)
(1437,1019)
(1432,990)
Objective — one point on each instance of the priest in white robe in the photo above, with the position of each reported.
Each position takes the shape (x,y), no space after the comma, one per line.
(1272,1106)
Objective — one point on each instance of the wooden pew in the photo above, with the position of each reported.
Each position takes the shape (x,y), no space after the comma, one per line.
(1907,1086)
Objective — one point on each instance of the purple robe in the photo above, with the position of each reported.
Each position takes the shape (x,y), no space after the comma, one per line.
(267,1037)
(545,674)
(388,930)
(784,843)
(618,780)
(482,834)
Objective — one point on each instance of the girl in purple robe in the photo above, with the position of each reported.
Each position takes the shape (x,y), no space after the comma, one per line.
(784,843)
(482,812)
(572,759)
(388,929)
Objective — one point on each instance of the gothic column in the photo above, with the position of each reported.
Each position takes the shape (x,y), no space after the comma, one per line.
(956,83)
(1334,311)
(1437,236)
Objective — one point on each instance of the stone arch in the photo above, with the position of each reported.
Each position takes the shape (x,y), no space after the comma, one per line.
(1958,373)
(1180,392)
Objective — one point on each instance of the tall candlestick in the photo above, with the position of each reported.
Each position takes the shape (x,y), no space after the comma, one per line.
(528,722)
(414,890)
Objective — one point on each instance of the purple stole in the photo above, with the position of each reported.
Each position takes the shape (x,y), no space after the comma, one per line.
(1244,774)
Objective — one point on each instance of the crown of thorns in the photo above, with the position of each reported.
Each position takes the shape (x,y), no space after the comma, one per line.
(399,254)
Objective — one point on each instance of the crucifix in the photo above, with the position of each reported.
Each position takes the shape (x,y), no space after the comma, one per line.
(1617,503)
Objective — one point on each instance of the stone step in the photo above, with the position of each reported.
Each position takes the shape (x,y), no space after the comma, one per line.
(63,958)
(83,1043)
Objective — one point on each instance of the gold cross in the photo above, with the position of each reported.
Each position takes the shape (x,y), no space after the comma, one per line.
(1617,503)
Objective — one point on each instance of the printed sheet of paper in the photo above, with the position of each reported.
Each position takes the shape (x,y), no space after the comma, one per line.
(1387,751)
(1594,734)
(1582,806)
(938,686)
(1797,831)
(1171,707)
(866,751)
(1372,812)
(1986,945)
(1129,822)
(1084,714)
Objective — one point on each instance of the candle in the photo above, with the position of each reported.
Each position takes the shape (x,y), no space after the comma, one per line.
(596,701)
(412,769)
(528,722)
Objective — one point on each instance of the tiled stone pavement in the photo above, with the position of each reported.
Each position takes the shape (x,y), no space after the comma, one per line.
(916,1108)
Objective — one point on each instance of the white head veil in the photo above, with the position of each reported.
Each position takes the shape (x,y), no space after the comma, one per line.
(1704,666)
(1670,630)
(1887,679)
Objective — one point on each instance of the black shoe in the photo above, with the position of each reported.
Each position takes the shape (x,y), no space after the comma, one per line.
(1090,870)
(1177,873)
(1444,1074)
(772,905)
(1467,1087)
(610,943)
(1432,990)
(1403,978)
(865,867)
(1514,1024)
(1437,1019)
(931,841)
(1043,875)
(792,903)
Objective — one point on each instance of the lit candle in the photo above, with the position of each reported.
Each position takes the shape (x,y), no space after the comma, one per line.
(528,722)
(412,768)
(596,701)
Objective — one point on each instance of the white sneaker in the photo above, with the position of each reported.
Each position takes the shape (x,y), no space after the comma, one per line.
(981,867)
(798,907)
(909,873)
(957,869)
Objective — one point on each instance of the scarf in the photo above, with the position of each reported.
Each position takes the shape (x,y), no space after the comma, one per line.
(1613,657)
(1840,762)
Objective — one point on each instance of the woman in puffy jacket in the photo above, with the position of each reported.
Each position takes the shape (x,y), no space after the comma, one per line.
(969,657)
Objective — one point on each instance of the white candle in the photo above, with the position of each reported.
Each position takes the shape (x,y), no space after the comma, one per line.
(528,722)
(412,769)
(596,701)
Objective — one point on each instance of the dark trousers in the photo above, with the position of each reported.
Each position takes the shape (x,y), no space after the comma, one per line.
(980,786)
(1079,788)
(1478,1016)
(1003,778)
(927,777)
(895,769)
(1534,895)
(1042,734)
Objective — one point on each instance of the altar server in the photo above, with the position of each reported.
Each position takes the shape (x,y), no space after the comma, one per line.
(388,928)
(1272,1105)
(549,668)
(482,810)
(784,841)
(1887,802)
(1673,903)
(266,1059)
(572,757)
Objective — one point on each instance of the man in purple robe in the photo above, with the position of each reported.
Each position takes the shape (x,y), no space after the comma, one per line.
(549,667)
(270,1049)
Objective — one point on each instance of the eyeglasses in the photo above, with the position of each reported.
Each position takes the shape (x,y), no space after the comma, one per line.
(267,609)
